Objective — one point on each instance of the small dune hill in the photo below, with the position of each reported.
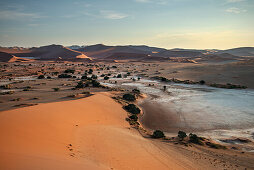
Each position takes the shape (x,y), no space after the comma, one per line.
(134,56)
(147,48)
(6,57)
(217,57)
(103,51)
(242,51)
(52,52)
(179,53)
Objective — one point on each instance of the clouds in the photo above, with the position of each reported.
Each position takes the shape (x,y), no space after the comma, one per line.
(160,2)
(112,14)
(235,10)
(17,15)
(17,12)
(234,1)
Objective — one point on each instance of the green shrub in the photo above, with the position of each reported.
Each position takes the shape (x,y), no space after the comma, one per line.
(132,108)
(193,138)
(133,117)
(201,82)
(84,77)
(69,71)
(64,76)
(129,97)
(106,78)
(136,91)
(182,135)
(95,83)
(80,85)
(90,71)
(215,146)
(94,77)
(56,89)
(158,134)
(41,77)
(119,76)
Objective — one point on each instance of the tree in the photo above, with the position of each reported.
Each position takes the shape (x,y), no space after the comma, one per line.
(134,117)
(129,97)
(90,71)
(106,78)
(41,77)
(158,134)
(94,77)
(202,82)
(132,108)
(195,139)
(119,76)
(182,135)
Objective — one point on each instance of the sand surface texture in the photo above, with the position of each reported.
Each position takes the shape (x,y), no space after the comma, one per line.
(88,133)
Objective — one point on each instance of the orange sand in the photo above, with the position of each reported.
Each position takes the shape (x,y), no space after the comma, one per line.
(39,137)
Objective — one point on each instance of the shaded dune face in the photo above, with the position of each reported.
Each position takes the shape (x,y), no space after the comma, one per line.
(159,117)
(89,133)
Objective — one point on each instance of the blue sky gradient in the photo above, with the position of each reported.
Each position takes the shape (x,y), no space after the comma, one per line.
(163,23)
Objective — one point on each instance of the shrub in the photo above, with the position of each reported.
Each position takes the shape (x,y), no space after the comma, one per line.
(119,76)
(129,97)
(84,77)
(80,85)
(69,71)
(202,82)
(64,76)
(56,89)
(136,91)
(195,139)
(94,77)
(106,78)
(95,83)
(41,77)
(134,117)
(90,71)
(158,134)
(215,146)
(132,108)
(182,135)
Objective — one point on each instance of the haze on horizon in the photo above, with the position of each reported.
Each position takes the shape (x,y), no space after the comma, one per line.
(200,24)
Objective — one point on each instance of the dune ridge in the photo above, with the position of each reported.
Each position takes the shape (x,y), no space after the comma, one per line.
(89,133)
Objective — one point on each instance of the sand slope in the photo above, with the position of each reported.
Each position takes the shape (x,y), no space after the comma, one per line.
(89,133)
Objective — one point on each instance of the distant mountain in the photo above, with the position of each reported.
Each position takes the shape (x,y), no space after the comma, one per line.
(49,52)
(6,57)
(241,51)
(103,51)
(147,48)
(75,47)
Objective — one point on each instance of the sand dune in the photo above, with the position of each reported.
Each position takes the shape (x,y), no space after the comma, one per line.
(48,52)
(6,57)
(89,133)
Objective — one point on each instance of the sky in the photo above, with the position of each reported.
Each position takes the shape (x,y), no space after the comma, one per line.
(199,24)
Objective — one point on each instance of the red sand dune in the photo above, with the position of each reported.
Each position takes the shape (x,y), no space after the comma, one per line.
(5,57)
(49,52)
(89,133)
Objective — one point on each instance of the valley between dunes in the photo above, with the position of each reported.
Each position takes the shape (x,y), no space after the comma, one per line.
(88,133)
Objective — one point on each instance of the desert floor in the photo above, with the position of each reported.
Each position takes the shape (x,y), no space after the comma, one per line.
(46,129)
